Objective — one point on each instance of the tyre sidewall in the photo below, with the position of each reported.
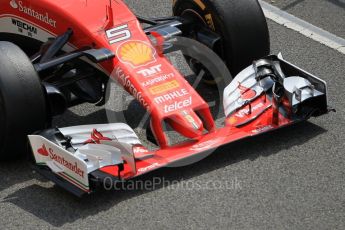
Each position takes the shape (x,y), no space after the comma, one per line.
(24,105)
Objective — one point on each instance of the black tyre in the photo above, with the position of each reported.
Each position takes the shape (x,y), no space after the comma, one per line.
(22,101)
(240,23)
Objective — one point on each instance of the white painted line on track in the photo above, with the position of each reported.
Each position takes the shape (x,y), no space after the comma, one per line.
(313,32)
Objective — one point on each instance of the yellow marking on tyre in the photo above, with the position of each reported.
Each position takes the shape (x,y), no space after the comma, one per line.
(209,21)
(200,4)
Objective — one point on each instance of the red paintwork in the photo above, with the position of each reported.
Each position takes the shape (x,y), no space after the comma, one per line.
(90,20)
(43,151)
(96,137)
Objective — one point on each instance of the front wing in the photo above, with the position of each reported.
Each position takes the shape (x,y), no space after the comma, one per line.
(270,94)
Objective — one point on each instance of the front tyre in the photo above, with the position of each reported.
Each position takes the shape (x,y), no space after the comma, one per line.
(241,25)
(22,101)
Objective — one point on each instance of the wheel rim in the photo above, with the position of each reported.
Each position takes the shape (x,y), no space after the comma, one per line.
(193,15)
(197,19)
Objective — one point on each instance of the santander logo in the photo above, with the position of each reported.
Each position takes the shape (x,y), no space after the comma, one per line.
(34,13)
(73,166)
(14,4)
(43,151)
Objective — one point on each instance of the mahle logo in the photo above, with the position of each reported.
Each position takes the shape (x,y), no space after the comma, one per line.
(14,4)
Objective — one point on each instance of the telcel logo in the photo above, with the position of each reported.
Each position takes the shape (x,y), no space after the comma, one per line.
(178,105)
(14,4)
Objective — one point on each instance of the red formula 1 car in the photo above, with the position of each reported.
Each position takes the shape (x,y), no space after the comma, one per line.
(55,54)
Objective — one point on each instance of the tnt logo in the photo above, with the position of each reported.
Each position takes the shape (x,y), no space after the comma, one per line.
(14,4)
(151,71)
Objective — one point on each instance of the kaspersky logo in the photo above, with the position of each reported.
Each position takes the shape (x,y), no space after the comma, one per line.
(14,4)
(43,17)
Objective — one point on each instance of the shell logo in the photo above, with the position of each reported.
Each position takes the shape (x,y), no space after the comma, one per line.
(136,53)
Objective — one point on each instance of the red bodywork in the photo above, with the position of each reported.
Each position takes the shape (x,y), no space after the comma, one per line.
(105,24)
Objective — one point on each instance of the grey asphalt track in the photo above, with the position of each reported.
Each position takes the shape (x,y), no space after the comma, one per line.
(290,179)
(326,14)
